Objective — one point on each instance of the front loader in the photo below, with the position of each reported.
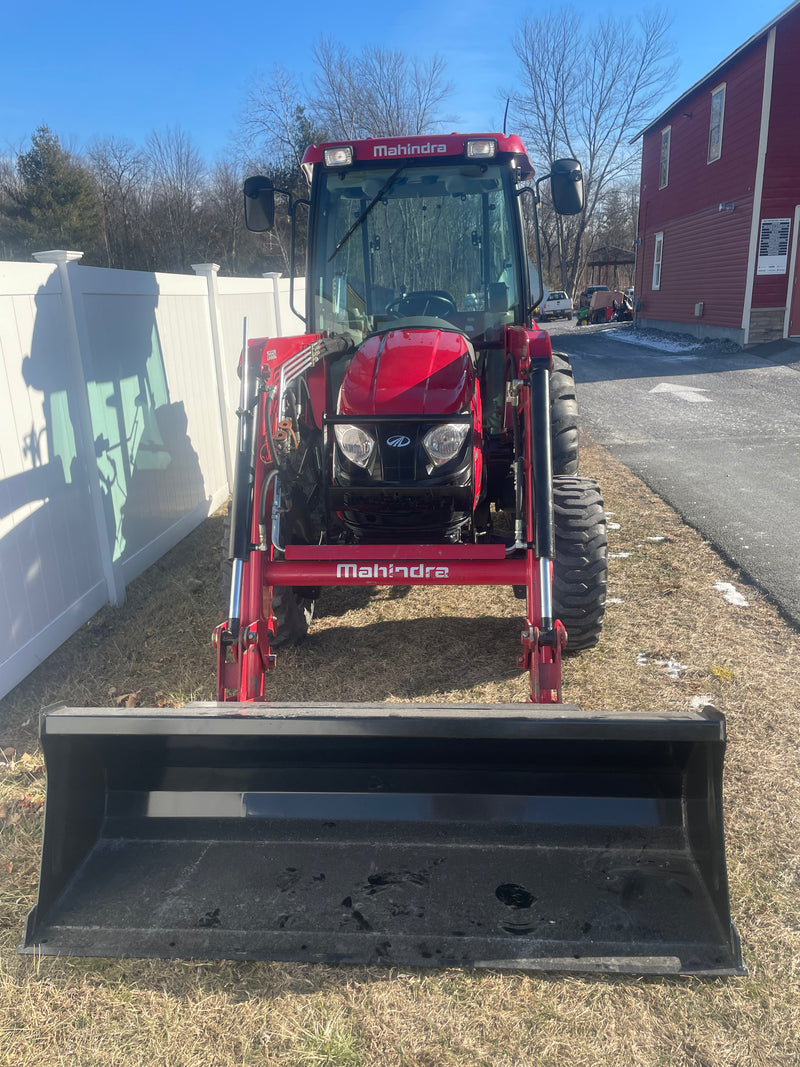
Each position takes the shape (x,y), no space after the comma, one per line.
(421,432)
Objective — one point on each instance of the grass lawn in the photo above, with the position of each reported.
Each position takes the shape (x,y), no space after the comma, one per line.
(675,636)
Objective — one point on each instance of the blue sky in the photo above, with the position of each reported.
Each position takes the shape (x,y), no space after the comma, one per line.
(91,69)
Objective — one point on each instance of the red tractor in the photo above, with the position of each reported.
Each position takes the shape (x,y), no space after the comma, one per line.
(420,431)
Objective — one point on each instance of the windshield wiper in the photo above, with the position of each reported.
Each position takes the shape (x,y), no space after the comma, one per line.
(385,188)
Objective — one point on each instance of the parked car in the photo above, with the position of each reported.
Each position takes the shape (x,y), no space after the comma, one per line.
(558,305)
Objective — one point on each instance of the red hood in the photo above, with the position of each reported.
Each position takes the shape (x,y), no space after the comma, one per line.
(409,372)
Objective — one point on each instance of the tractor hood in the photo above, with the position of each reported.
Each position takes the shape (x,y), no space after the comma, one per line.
(412,371)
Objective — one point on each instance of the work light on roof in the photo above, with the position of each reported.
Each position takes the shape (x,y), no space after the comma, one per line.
(482,148)
(341,156)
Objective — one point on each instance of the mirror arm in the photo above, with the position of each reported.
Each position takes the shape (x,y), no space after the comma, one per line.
(544,178)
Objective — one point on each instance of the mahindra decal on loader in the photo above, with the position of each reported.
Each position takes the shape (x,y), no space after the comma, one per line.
(380,447)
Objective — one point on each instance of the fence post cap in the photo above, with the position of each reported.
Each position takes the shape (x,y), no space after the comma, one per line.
(57,255)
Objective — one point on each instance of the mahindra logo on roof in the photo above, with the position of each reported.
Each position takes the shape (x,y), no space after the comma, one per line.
(383,151)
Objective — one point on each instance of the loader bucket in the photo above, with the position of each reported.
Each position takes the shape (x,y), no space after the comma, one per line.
(503,836)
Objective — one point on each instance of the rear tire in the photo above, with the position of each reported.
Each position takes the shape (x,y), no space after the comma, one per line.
(580,568)
(563,417)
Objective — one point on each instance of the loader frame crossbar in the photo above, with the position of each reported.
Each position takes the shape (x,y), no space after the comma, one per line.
(342,565)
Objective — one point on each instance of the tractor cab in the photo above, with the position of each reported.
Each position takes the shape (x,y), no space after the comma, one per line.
(421,243)
(419,232)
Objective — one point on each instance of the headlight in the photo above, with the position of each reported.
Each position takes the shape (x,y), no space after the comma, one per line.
(482,148)
(341,156)
(356,444)
(444,442)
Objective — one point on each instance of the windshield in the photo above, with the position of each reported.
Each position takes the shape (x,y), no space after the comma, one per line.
(415,242)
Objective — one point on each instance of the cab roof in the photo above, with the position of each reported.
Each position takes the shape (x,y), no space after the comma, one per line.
(432,147)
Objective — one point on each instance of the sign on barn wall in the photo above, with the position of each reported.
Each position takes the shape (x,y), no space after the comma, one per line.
(773,246)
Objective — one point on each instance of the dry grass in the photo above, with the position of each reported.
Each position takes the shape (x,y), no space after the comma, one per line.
(444,645)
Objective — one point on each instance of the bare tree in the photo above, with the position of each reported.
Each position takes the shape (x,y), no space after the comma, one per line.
(276,127)
(222,223)
(177,174)
(275,130)
(589,85)
(10,193)
(120,171)
(379,93)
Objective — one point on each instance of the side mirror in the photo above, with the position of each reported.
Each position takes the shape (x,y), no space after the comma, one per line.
(566,186)
(259,204)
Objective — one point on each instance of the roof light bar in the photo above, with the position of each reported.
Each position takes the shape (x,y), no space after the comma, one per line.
(341,156)
(483,148)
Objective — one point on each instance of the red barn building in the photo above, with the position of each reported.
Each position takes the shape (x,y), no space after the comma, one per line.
(717,248)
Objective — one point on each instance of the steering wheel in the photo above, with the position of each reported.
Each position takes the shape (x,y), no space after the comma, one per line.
(435,302)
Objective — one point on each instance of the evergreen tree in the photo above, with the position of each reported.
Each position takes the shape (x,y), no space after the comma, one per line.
(53,202)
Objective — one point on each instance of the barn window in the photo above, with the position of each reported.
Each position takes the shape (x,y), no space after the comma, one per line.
(659,249)
(715,128)
(663,174)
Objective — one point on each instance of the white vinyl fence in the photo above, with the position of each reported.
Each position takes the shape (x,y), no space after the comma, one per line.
(117,420)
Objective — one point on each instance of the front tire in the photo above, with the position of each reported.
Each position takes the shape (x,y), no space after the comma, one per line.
(580,568)
(292,610)
(293,606)
(293,613)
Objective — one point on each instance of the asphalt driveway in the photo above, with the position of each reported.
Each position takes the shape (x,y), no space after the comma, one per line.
(714,430)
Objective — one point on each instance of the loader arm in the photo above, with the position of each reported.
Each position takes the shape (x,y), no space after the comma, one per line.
(243,645)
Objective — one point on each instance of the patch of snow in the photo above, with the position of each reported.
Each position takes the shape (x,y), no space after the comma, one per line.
(731,594)
(618,555)
(656,538)
(673,668)
(664,342)
(614,526)
(614,600)
(700,702)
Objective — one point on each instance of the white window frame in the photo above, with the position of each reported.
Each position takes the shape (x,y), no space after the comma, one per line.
(715,123)
(658,256)
(663,168)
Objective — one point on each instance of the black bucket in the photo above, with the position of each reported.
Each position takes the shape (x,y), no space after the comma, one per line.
(504,836)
